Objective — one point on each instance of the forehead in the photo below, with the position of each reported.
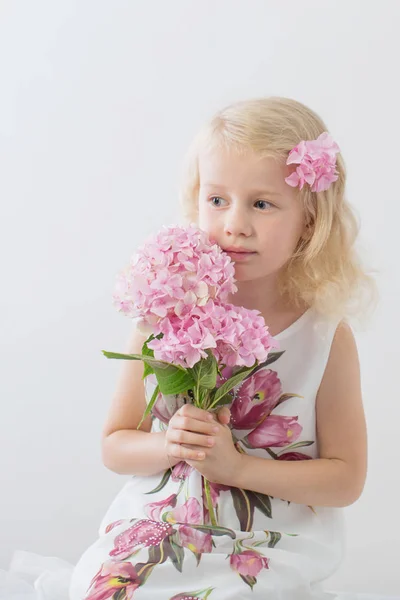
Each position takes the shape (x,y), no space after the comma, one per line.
(228,168)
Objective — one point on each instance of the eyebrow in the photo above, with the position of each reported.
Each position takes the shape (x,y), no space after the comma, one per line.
(256,191)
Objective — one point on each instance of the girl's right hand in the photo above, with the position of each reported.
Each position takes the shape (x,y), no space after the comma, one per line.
(195,430)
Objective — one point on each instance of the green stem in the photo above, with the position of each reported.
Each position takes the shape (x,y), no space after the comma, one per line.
(271,453)
(209,502)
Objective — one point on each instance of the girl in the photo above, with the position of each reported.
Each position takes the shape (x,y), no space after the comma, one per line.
(267,183)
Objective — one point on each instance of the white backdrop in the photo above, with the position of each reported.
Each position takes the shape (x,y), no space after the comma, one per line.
(99,100)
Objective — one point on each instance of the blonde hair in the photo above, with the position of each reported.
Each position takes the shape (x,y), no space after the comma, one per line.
(325,271)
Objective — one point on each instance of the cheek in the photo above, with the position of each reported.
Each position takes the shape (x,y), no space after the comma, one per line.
(280,242)
(205,220)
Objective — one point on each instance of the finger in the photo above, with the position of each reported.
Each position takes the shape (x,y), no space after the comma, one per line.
(224,415)
(194,425)
(185,453)
(191,411)
(181,436)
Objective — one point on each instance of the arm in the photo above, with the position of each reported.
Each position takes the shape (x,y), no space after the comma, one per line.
(125,449)
(337,478)
(129,451)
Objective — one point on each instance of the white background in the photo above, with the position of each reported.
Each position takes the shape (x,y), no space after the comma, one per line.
(98,103)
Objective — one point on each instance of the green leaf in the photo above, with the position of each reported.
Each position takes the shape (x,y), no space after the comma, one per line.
(249,579)
(296,445)
(275,537)
(176,554)
(214,530)
(285,397)
(262,502)
(157,555)
(201,400)
(146,351)
(272,357)
(120,594)
(227,399)
(230,384)
(244,507)
(163,482)
(172,379)
(159,364)
(150,405)
(204,372)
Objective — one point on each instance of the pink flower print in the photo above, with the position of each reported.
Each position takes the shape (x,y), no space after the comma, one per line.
(185,596)
(166,406)
(215,489)
(112,525)
(154,509)
(275,430)
(197,541)
(189,512)
(181,471)
(248,563)
(110,579)
(293,456)
(226,374)
(256,398)
(143,534)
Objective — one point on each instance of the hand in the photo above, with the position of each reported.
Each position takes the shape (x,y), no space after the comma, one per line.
(188,434)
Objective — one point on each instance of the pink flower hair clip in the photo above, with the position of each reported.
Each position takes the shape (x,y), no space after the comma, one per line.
(317,163)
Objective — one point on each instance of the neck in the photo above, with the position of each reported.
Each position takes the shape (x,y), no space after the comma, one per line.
(259,295)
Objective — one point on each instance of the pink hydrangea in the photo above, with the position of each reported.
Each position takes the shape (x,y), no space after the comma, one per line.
(317,163)
(184,341)
(244,338)
(174,271)
(235,335)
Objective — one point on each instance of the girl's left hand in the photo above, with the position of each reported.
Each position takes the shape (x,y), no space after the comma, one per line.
(222,460)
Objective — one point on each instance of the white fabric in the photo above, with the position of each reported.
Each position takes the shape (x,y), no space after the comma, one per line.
(34,577)
(298,546)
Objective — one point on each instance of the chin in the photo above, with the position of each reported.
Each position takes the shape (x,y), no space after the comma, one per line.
(245,273)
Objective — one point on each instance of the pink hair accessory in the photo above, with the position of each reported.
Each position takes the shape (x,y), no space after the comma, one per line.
(317,163)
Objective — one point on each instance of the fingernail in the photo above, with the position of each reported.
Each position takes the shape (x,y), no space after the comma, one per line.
(210,441)
(215,429)
(200,455)
(210,417)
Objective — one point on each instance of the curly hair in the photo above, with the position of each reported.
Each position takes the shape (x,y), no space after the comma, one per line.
(325,270)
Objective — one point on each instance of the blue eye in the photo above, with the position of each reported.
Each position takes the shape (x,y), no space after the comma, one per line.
(263,202)
(215,198)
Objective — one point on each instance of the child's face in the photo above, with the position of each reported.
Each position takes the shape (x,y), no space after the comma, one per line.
(245,202)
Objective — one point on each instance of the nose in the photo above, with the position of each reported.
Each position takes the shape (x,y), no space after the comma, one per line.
(237,223)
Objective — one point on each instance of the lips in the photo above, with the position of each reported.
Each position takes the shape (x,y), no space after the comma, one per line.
(238,251)
(239,255)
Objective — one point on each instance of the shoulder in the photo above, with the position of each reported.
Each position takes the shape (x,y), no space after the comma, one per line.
(343,351)
(342,368)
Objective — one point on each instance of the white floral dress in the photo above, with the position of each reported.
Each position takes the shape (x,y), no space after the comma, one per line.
(156,540)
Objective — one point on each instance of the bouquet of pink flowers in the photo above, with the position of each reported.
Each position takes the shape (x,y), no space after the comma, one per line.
(178,284)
